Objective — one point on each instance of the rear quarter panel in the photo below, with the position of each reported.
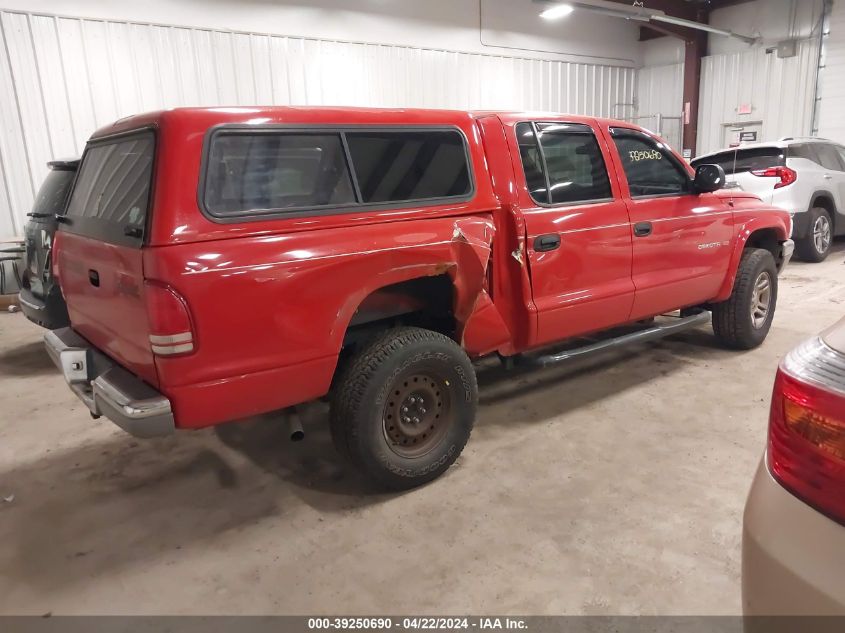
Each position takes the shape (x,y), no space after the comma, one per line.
(276,308)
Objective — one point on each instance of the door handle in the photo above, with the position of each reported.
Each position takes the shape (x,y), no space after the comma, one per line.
(94,278)
(643,229)
(828,177)
(548,242)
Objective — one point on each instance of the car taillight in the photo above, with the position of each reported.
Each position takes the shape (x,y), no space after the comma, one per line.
(806,451)
(171,330)
(787,176)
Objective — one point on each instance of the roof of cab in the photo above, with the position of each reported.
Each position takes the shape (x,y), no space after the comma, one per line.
(209,116)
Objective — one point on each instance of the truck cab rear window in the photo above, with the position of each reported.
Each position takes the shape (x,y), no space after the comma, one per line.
(111,195)
(255,172)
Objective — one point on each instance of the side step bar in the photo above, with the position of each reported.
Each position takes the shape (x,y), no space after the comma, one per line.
(641,336)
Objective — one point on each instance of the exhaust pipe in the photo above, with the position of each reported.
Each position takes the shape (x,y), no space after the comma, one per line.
(297,434)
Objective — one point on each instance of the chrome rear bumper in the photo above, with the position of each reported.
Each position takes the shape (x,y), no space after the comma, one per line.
(108,389)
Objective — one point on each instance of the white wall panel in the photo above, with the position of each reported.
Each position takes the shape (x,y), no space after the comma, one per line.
(63,77)
(832,105)
(660,95)
(781,91)
(660,90)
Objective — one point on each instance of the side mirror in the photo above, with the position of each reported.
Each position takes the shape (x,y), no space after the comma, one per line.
(709,178)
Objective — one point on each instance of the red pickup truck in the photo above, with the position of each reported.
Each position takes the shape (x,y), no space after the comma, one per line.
(224,262)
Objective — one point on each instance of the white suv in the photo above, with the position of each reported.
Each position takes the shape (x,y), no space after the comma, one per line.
(805,176)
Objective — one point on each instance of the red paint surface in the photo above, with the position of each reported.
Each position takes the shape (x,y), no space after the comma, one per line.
(271,299)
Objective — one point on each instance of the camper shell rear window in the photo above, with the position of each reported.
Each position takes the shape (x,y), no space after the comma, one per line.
(111,195)
(290,172)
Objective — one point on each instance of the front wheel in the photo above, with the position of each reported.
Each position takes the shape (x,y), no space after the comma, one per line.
(744,320)
(404,406)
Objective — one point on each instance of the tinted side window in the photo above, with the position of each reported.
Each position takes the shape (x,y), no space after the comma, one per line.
(248,172)
(532,163)
(395,166)
(112,192)
(650,167)
(805,151)
(574,163)
(566,166)
(829,157)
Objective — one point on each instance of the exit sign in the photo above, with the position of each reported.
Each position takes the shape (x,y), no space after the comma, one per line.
(745,108)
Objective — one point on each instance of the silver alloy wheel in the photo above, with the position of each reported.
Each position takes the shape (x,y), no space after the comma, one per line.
(821,234)
(761,300)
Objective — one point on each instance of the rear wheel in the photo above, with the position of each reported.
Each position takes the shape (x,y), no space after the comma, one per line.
(815,246)
(404,407)
(744,320)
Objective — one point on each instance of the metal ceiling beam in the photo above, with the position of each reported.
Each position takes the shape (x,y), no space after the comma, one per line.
(646,14)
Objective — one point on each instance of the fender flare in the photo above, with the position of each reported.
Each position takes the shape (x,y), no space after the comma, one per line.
(743,234)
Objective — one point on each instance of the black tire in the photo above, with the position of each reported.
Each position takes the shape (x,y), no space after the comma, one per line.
(398,386)
(734,321)
(811,249)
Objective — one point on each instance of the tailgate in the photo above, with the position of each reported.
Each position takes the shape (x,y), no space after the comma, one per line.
(99,250)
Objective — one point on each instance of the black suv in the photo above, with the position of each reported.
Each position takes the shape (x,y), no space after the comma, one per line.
(40,298)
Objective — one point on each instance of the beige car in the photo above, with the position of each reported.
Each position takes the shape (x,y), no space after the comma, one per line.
(793,546)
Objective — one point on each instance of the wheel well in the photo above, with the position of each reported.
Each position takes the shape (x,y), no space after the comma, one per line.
(767,239)
(423,302)
(826,203)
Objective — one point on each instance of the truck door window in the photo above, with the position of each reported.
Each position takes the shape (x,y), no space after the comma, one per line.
(562,163)
(399,165)
(532,163)
(248,172)
(651,169)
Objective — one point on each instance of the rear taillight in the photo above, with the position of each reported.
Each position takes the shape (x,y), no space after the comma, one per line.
(171,330)
(786,175)
(807,427)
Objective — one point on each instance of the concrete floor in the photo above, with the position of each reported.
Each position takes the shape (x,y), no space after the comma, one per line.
(612,487)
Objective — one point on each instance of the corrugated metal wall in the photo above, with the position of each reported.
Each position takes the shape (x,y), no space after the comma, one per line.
(832,112)
(782,92)
(61,78)
(660,96)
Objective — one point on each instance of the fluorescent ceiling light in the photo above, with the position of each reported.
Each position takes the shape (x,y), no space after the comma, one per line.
(557,12)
